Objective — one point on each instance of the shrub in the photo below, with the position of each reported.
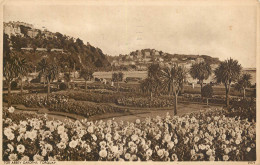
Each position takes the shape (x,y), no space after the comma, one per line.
(207,91)
(14,85)
(63,86)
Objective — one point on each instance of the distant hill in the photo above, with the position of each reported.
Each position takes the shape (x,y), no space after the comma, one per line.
(35,44)
(141,59)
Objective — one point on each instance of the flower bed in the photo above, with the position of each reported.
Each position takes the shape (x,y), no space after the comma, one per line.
(198,136)
(61,103)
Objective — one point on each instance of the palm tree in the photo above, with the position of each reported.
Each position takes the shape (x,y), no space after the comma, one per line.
(10,72)
(173,79)
(226,73)
(49,74)
(87,74)
(200,71)
(42,65)
(243,83)
(150,86)
(23,70)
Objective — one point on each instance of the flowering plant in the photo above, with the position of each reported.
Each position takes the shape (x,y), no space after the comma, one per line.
(207,135)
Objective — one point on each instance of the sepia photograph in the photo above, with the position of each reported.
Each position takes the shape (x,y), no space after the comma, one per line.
(131,81)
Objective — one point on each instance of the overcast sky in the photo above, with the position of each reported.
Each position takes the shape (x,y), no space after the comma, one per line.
(219,31)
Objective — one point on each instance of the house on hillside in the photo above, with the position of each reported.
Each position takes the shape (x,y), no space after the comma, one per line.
(56,50)
(32,33)
(200,59)
(27,49)
(41,49)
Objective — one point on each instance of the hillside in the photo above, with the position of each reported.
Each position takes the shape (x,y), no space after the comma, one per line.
(35,44)
(141,59)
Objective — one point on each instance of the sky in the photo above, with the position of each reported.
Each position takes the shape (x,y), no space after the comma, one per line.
(221,31)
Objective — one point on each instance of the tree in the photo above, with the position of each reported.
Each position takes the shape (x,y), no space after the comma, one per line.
(120,76)
(243,83)
(226,73)
(150,86)
(42,67)
(207,91)
(49,74)
(87,74)
(115,78)
(153,76)
(67,79)
(23,71)
(173,79)
(11,71)
(200,71)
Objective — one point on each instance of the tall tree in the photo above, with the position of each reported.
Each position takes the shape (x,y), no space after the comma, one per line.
(115,78)
(200,71)
(67,79)
(86,74)
(243,83)
(42,67)
(49,73)
(173,79)
(226,73)
(150,86)
(23,71)
(11,71)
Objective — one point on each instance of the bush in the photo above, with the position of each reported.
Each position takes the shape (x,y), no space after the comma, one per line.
(207,91)
(63,86)
(14,85)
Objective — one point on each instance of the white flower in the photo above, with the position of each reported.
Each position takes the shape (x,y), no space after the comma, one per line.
(237,141)
(127,156)
(149,152)
(12,157)
(225,157)
(10,136)
(94,137)
(90,129)
(170,145)
(48,147)
(134,137)
(60,129)
(73,143)
(10,147)
(37,157)
(167,138)
(44,152)
(25,158)
(11,109)
(160,152)
(7,131)
(248,149)
(114,149)
(20,148)
(137,121)
(211,158)
(61,145)
(103,153)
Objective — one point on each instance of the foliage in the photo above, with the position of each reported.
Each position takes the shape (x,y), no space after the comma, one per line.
(207,91)
(173,81)
(63,86)
(243,83)
(200,71)
(208,135)
(14,85)
(226,73)
(86,74)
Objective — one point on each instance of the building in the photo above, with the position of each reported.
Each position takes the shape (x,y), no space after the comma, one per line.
(26,48)
(41,49)
(56,50)
(32,33)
